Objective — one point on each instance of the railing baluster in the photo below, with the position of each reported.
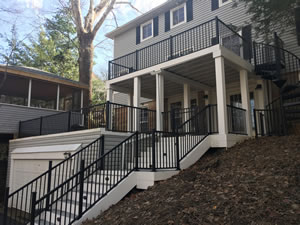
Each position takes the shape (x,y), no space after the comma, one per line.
(153,151)
(81,187)
(32,211)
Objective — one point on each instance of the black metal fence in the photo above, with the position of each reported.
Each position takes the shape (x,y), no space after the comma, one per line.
(20,205)
(124,118)
(69,189)
(86,118)
(236,120)
(114,117)
(203,36)
(176,117)
(205,121)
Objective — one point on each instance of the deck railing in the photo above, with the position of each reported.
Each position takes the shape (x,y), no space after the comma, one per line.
(69,189)
(236,120)
(112,116)
(200,37)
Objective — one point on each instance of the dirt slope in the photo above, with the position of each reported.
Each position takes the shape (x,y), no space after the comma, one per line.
(255,182)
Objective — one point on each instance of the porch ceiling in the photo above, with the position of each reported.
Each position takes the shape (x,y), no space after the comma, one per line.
(199,70)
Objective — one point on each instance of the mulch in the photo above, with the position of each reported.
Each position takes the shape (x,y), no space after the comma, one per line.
(255,182)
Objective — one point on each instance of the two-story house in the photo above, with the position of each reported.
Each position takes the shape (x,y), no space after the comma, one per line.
(209,82)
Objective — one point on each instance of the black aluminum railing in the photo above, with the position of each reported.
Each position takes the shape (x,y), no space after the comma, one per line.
(200,37)
(68,190)
(236,120)
(274,63)
(174,118)
(124,118)
(205,121)
(20,205)
(85,118)
(112,116)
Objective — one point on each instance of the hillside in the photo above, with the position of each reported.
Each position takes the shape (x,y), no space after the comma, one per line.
(255,182)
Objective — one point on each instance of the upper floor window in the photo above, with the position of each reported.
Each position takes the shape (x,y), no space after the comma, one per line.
(147,30)
(224,2)
(178,15)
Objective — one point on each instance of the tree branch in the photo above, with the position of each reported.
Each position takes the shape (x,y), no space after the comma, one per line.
(115,18)
(89,19)
(130,4)
(76,11)
(102,19)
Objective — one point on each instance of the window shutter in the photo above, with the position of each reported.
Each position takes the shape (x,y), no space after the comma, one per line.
(297,19)
(138,35)
(214,4)
(167,21)
(189,10)
(247,35)
(155,26)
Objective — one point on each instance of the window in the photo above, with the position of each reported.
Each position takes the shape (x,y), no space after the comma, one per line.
(224,2)
(178,15)
(147,30)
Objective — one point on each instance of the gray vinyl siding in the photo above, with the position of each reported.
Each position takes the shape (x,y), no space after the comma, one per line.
(237,16)
(121,98)
(83,138)
(11,115)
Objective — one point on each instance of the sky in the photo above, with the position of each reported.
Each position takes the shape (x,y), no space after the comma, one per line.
(30,14)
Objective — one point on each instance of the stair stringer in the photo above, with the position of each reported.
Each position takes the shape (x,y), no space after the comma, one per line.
(112,198)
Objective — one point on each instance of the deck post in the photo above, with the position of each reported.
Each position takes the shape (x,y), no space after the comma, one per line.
(129,113)
(57,97)
(29,92)
(159,100)
(221,95)
(136,102)
(186,100)
(109,109)
(246,99)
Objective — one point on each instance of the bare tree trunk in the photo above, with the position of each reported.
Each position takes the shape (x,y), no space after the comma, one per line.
(86,56)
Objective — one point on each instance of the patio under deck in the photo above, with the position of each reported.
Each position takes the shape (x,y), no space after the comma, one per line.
(208,70)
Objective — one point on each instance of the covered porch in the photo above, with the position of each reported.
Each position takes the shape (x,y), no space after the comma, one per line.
(181,88)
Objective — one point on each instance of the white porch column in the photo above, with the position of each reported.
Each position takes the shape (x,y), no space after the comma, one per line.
(129,112)
(246,99)
(221,95)
(260,95)
(81,99)
(29,93)
(159,101)
(136,101)
(57,97)
(109,93)
(186,99)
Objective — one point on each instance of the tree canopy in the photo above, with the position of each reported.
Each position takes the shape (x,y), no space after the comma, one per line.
(55,50)
(269,16)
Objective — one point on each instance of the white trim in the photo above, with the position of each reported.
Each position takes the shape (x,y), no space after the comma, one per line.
(29,93)
(57,97)
(225,3)
(185,16)
(152,26)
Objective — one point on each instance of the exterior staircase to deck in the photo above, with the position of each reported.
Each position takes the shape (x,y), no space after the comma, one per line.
(273,62)
(93,179)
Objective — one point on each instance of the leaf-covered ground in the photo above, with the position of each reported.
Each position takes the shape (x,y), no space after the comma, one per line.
(255,182)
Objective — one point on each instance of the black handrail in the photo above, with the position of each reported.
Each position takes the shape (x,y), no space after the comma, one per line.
(168,149)
(236,120)
(109,115)
(41,185)
(174,47)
